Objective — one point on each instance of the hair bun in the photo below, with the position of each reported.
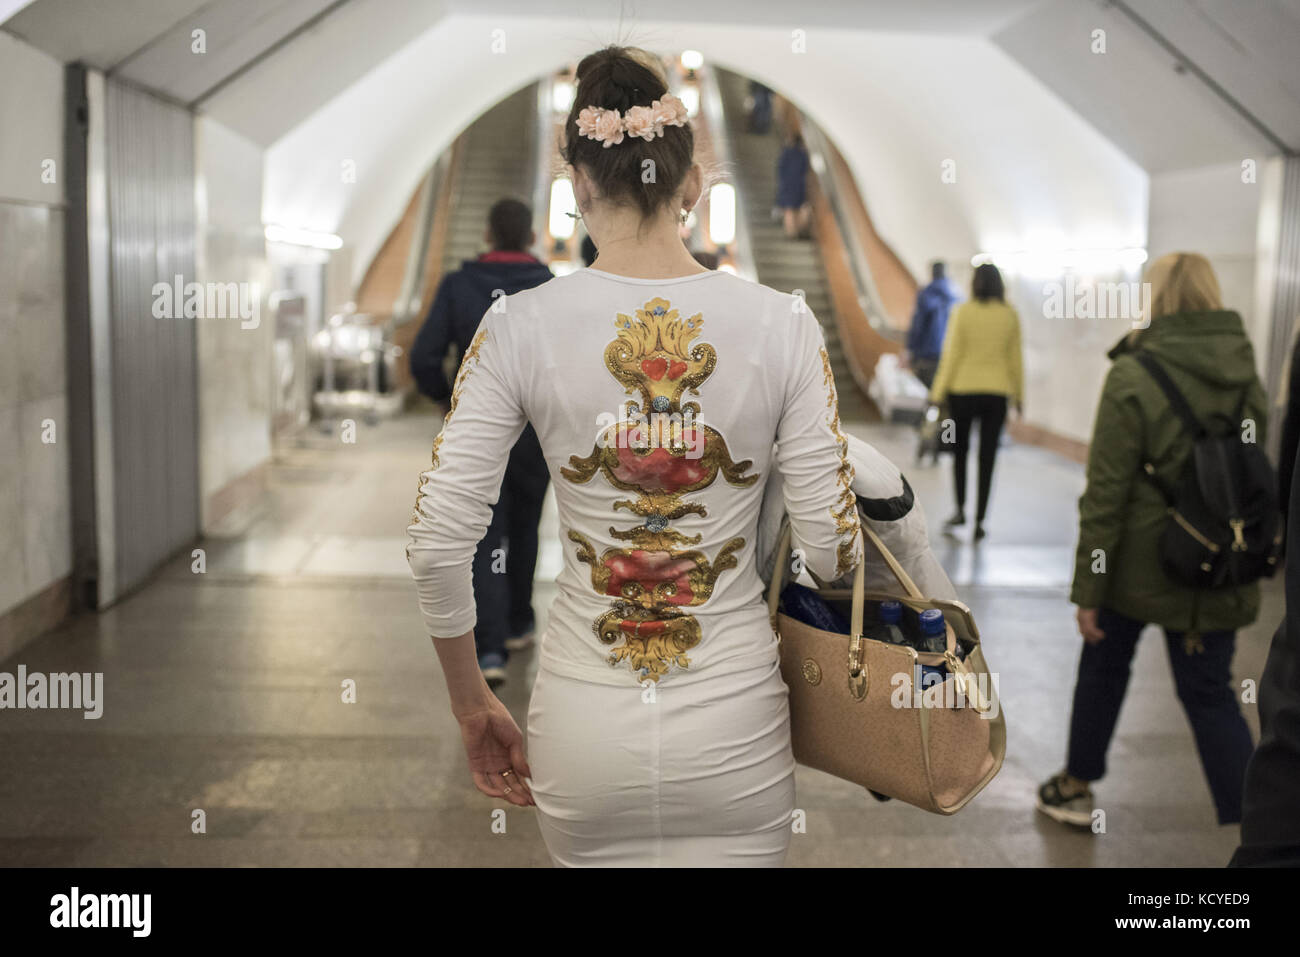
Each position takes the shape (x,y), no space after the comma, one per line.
(619,78)
(623,74)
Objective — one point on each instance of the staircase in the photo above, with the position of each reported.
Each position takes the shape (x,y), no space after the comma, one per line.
(497,162)
(784,264)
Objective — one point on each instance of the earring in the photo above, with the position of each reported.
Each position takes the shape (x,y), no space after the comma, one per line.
(685,214)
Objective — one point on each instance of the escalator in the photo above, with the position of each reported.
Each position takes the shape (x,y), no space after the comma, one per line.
(446,218)
(784,264)
(491,166)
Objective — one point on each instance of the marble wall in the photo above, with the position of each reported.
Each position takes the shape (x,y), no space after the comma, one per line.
(1209,210)
(35,532)
(1214,211)
(1064,355)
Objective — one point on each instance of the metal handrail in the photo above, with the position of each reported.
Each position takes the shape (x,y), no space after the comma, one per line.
(828,177)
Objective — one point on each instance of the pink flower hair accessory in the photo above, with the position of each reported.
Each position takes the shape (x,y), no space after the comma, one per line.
(608,127)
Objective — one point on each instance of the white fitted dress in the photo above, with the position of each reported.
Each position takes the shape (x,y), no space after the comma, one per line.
(658,729)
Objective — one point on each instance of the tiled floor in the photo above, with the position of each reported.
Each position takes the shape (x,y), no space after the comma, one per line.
(224,693)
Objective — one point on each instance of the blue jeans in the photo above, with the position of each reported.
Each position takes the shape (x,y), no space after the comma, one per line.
(504,597)
(1203,679)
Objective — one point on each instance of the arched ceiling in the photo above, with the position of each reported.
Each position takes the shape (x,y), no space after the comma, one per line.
(259,50)
(1049,137)
(898,106)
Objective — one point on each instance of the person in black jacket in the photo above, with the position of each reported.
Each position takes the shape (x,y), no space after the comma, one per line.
(505,612)
(1290,432)
(1270,819)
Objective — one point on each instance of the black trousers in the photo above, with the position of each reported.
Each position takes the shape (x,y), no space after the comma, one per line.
(991,412)
(1203,679)
(506,560)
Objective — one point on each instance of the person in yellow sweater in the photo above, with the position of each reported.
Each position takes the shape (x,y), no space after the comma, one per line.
(980,371)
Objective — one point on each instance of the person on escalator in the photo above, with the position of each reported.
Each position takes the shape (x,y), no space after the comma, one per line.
(792,187)
(760,113)
(464,297)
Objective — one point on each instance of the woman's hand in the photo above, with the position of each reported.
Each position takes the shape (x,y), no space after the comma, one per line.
(493,744)
(495,749)
(1087,619)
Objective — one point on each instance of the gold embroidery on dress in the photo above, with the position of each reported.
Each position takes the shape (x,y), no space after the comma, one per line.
(660,451)
(467,362)
(845,509)
(653,356)
(650,586)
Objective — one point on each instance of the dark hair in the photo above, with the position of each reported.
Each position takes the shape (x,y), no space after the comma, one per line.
(937,269)
(588,251)
(987,283)
(617,78)
(511,224)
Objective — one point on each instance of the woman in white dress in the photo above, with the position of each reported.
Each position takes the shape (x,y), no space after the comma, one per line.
(663,395)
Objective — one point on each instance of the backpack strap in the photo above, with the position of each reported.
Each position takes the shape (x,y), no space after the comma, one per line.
(1175,397)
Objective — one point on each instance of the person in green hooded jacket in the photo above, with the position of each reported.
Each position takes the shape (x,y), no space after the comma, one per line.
(1119,584)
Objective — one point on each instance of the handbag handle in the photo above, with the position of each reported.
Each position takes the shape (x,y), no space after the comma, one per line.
(859,575)
(955,664)
(909,587)
(859,581)
(857,664)
(904,579)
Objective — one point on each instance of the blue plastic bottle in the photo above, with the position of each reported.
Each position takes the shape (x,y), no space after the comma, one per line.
(933,639)
(891,617)
(934,632)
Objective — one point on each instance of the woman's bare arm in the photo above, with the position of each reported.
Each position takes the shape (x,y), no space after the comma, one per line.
(465,684)
(493,743)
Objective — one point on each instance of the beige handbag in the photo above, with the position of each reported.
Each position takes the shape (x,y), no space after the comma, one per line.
(855,709)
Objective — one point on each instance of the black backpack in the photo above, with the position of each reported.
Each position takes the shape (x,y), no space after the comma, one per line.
(1224,526)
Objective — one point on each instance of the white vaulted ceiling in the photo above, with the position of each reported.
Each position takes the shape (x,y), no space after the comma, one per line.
(1010,88)
(270,63)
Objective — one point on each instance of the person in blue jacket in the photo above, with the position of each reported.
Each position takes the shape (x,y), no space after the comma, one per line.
(929,323)
(505,612)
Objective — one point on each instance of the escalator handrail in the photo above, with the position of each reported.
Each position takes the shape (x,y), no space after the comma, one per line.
(834,189)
